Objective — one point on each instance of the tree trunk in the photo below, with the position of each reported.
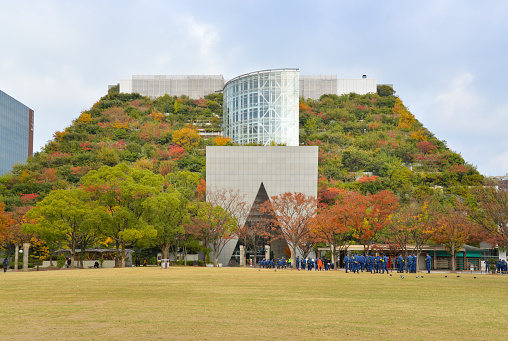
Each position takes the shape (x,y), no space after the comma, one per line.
(117,258)
(215,259)
(293,256)
(333,255)
(184,254)
(82,253)
(73,253)
(16,256)
(165,251)
(26,253)
(123,255)
(51,258)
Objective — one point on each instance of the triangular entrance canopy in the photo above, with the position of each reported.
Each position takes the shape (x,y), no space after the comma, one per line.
(255,215)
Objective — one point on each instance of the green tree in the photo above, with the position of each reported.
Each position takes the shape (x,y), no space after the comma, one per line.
(63,215)
(167,213)
(120,192)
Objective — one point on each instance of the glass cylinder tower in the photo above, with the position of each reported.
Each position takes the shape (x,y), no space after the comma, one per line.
(262,107)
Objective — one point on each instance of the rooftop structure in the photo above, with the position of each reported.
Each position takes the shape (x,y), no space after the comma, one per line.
(198,86)
(262,107)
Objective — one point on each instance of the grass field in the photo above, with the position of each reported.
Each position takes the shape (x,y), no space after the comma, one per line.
(249,304)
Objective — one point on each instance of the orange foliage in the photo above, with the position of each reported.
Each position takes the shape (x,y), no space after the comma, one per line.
(202,189)
(59,135)
(157,116)
(221,141)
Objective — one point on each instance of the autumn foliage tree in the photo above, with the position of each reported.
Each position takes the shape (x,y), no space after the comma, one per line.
(412,224)
(187,138)
(5,223)
(381,206)
(215,226)
(453,229)
(292,214)
(488,207)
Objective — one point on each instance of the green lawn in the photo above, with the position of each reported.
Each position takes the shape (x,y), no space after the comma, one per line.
(249,304)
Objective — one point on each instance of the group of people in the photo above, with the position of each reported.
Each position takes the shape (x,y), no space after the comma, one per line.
(317,264)
(409,264)
(371,263)
(501,265)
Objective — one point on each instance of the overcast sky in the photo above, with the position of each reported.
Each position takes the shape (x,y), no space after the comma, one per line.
(446,59)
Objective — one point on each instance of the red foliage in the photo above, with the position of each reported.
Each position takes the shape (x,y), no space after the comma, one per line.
(86,146)
(29,198)
(365,179)
(200,103)
(119,145)
(328,195)
(458,169)
(426,146)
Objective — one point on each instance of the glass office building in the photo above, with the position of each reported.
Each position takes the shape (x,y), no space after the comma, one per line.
(16,132)
(262,107)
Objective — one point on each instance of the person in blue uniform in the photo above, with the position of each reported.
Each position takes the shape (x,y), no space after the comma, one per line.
(384,263)
(372,263)
(346,261)
(409,263)
(400,264)
(377,265)
(428,261)
(354,262)
(297,262)
(361,261)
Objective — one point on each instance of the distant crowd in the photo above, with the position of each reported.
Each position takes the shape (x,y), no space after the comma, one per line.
(317,264)
(378,263)
(501,265)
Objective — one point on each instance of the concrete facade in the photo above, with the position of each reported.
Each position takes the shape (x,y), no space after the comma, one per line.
(198,86)
(314,86)
(280,169)
(194,86)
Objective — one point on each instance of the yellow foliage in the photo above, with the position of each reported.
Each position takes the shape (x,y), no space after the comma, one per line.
(419,135)
(119,125)
(406,119)
(24,176)
(187,138)
(106,242)
(59,135)
(143,164)
(157,116)
(85,118)
(221,141)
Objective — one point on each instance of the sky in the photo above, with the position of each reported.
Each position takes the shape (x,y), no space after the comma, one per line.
(446,59)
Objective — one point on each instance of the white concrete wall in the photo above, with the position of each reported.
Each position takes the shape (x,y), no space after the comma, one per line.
(359,86)
(125,86)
